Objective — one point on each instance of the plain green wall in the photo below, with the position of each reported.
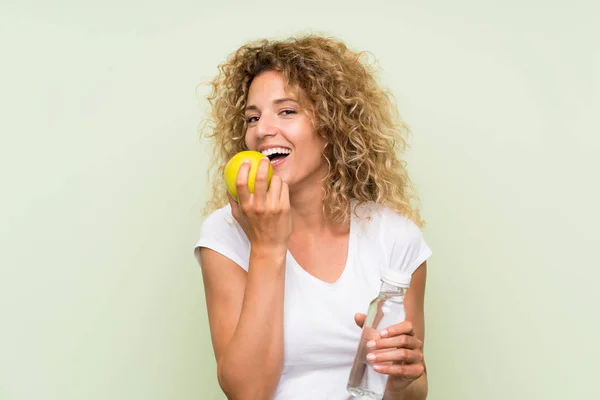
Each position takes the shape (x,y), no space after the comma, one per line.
(103,177)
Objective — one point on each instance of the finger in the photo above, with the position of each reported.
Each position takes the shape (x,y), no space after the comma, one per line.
(409,371)
(401,341)
(236,211)
(285,195)
(233,203)
(360,319)
(241,182)
(274,193)
(397,355)
(403,328)
(260,182)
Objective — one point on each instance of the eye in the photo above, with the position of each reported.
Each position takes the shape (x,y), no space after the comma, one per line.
(252,119)
(288,112)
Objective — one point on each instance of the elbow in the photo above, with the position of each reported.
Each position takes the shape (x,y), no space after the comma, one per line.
(237,385)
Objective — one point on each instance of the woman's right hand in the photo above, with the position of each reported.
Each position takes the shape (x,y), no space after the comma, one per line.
(265,214)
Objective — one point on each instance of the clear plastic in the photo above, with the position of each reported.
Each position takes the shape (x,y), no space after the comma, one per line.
(385,310)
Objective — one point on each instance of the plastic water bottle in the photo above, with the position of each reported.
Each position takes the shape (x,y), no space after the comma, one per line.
(385,310)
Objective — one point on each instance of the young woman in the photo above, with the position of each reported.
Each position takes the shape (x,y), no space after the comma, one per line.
(290,269)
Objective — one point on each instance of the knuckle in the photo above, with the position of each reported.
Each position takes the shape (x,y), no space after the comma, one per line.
(402,354)
(419,370)
(403,340)
(405,355)
(259,210)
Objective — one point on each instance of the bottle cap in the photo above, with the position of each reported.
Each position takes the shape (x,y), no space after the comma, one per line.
(396,278)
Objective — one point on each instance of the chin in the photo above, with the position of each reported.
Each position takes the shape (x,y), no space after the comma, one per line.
(284,178)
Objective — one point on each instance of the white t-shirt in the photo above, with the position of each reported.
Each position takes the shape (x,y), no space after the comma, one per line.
(320,335)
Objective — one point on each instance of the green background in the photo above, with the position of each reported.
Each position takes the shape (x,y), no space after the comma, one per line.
(103,177)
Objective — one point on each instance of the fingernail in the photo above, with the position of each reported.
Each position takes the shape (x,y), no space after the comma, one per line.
(371,343)
(384,333)
(371,357)
(246,161)
(377,368)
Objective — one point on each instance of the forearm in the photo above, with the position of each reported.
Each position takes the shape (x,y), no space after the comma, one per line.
(416,390)
(251,366)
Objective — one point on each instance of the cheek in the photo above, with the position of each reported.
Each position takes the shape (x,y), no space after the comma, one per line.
(314,159)
(249,140)
(311,149)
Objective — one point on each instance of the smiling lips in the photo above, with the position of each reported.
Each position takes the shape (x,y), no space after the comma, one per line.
(277,155)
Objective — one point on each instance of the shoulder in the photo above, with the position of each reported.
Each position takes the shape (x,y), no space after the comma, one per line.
(382,218)
(395,234)
(221,233)
(219,219)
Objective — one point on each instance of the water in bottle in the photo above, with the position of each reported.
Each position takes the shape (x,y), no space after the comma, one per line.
(385,310)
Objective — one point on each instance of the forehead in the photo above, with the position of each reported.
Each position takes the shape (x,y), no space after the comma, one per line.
(270,85)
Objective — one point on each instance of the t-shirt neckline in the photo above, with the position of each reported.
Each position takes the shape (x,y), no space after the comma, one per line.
(349,257)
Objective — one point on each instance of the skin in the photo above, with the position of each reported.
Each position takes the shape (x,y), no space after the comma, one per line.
(245,309)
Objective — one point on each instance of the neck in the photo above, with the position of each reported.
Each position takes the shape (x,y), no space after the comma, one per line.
(306,208)
(308,214)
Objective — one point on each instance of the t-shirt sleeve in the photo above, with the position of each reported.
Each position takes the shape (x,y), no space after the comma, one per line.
(409,249)
(221,233)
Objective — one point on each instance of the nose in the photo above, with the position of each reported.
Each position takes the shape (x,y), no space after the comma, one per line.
(266,126)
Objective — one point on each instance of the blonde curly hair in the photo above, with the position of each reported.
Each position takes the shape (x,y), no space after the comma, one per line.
(357,118)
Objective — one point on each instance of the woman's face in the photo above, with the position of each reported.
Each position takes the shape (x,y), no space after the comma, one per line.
(279,128)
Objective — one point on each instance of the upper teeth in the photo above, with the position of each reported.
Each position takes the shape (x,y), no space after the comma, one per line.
(276,150)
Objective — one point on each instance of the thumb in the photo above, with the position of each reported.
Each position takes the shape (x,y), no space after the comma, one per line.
(235,207)
(360,319)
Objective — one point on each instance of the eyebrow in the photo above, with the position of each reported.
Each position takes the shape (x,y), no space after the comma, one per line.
(252,107)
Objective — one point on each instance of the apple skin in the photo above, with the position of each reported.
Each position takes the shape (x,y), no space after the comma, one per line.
(233,166)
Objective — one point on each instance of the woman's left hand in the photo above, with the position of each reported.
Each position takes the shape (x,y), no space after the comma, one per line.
(396,352)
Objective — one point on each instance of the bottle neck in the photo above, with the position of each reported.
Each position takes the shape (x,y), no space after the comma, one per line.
(391,289)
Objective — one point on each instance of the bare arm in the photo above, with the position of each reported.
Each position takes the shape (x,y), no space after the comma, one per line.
(415,314)
(245,312)
(246,309)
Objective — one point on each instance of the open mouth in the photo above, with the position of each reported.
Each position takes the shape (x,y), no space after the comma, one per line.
(276,154)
